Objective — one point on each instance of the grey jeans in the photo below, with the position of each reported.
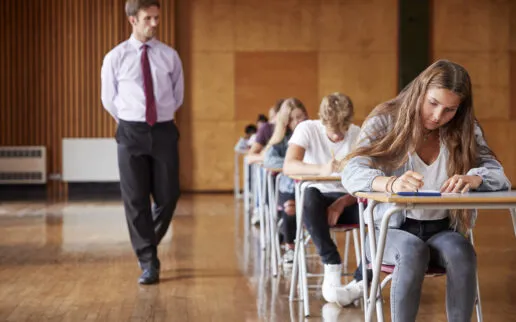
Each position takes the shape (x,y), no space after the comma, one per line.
(415,246)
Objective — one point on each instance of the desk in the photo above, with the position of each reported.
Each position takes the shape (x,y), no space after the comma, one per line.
(236,191)
(302,181)
(272,196)
(473,200)
(247,192)
(259,191)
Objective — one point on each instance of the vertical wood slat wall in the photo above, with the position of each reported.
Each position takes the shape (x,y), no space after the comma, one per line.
(51,52)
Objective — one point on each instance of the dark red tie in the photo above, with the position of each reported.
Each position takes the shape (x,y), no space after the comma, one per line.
(148,89)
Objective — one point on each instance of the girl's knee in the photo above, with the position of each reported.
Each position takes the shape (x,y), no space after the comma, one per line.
(464,255)
(416,254)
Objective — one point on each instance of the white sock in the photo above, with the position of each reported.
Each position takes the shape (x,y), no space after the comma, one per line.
(331,282)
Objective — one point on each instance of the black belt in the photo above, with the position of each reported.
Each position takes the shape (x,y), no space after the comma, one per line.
(425,229)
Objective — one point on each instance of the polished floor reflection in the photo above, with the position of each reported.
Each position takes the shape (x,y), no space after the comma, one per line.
(73,262)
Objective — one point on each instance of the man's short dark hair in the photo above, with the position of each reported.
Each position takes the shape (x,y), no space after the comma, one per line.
(250,129)
(133,6)
(262,118)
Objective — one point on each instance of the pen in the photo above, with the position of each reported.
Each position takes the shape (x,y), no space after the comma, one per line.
(411,165)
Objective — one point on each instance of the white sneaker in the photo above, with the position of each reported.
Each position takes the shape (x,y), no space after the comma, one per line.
(349,293)
(331,282)
(255,219)
(330,312)
(288,259)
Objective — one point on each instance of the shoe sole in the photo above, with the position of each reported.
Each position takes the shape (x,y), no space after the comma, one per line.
(148,283)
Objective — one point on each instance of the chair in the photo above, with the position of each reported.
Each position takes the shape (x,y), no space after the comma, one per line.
(389,269)
(299,271)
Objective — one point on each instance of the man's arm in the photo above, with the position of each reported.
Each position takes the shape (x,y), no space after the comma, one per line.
(178,81)
(109,86)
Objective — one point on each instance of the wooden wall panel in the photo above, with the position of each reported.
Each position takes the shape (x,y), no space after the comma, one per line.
(481,36)
(358,26)
(213,86)
(51,56)
(272,25)
(242,55)
(209,170)
(213,28)
(479,25)
(512,81)
(261,78)
(358,75)
(512,58)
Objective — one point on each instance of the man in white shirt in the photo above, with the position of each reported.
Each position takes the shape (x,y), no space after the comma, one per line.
(142,88)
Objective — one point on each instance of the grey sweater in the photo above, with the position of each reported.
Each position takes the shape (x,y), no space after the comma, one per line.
(358,175)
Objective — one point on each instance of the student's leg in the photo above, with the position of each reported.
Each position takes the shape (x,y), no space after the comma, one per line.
(455,253)
(316,221)
(315,205)
(350,217)
(353,290)
(287,204)
(410,255)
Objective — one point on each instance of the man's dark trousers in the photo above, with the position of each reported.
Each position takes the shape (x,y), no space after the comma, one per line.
(148,161)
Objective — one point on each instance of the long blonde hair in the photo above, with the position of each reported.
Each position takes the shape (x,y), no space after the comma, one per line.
(283,119)
(388,149)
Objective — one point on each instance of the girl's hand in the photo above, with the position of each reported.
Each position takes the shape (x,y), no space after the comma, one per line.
(410,181)
(460,183)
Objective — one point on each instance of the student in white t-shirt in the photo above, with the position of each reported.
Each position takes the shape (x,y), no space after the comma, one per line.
(316,147)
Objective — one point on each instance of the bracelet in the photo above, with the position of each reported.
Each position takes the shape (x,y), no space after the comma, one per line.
(387,183)
(392,184)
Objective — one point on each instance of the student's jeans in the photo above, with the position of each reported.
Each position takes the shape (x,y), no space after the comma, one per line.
(289,221)
(315,206)
(419,244)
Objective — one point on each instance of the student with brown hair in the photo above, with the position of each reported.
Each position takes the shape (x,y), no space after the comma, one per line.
(427,138)
(291,114)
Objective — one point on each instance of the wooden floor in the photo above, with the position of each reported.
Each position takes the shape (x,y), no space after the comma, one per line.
(73,262)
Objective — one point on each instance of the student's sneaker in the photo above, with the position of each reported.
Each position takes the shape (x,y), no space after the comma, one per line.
(255,219)
(330,312)
(288,259)
(350,293)
(331,282)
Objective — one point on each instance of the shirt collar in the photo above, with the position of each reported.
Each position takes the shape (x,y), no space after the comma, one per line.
(138,44)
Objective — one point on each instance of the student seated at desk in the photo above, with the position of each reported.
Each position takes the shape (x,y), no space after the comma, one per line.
(260,140)
(292,112)
(264,134)
(244,143)
(316,147)
(427,138)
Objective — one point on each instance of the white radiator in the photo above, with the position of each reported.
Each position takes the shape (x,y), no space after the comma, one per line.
(23,165)
(90,160)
